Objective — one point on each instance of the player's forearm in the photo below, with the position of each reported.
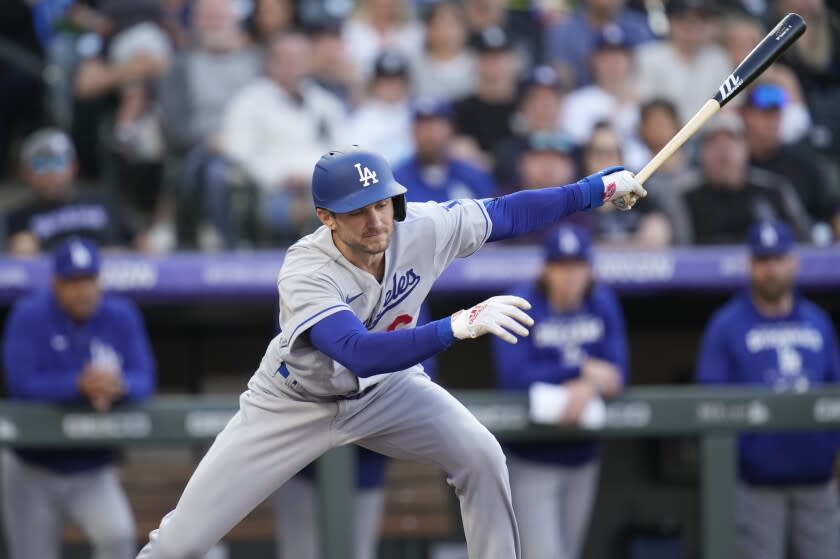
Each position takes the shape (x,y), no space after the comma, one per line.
(343,338)
(532,210)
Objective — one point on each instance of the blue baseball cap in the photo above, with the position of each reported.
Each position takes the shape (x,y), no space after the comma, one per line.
(48,150)
(770,238)
(543,76)
(567,243)
(767,96)
(432,107)
(612,37)
(76,257)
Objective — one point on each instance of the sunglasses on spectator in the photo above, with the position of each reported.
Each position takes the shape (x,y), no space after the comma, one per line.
(43,164)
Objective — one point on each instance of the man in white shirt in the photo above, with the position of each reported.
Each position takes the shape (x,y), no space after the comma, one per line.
(277,127)
(689,66)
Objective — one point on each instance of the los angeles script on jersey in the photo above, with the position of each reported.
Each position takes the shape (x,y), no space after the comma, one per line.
(400,288)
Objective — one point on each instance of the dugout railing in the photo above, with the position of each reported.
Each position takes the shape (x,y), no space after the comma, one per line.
(714,415)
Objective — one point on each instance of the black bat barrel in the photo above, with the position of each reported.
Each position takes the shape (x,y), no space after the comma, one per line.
(790,28)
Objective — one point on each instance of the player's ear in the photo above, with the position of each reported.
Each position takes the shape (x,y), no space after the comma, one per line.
(326,217)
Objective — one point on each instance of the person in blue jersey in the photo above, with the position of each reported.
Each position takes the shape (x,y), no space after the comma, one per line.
(768,335)
(432,173)
(71,345)
(578,341)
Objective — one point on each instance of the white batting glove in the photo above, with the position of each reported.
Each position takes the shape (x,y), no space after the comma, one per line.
(622,189)
(497,315)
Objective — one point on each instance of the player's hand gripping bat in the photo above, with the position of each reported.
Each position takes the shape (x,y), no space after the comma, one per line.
(790,28)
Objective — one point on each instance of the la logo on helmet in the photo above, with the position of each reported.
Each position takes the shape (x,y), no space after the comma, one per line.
(366,176)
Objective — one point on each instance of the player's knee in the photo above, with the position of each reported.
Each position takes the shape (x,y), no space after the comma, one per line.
(483,452)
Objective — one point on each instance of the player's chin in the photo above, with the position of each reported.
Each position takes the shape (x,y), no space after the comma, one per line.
(376,244)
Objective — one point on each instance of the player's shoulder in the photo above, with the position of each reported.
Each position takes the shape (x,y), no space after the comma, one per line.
(813,312)
(603,296)
(312,256)
(118,305)
(33,304)
(734,311)
(423,211)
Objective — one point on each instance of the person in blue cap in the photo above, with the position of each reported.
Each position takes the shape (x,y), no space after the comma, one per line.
(71,344)
(798,163)
(578,341)
(432,173)
(770,336)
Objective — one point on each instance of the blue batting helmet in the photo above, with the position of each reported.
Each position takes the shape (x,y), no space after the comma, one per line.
(347,179)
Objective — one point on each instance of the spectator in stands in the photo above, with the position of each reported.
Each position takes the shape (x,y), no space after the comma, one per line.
(484,117)
(769,336)
(762,113)
(205,76)
(116,85)
(740,35)
(432,173)
(59,209)
(445,68)
(276,128)
(548,160)
(521,21)
(725,195)
(658,123)
(382,121)
(579,342)
(538,110)
(686,67)
(570,42)
(815,57)
(194,96)
(21,26)
(650,227)
(269,18)
(73,345)
(381,25)
(330,64)
(612,95)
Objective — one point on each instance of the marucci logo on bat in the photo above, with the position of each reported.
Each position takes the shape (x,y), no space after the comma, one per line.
(729,85)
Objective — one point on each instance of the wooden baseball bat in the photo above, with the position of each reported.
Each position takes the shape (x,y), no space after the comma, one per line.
(790,28)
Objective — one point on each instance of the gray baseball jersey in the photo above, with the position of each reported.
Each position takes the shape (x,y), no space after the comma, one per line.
(317,281)
(287,420)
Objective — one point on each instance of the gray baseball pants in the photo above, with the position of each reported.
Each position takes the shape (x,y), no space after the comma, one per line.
(296,520)
(37,501)
(553,505)
(277,431)
(805,518)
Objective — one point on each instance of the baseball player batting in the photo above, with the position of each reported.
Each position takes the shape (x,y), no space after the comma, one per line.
(345,366)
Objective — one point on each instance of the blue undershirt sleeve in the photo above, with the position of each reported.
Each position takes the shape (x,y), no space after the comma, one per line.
(531,210)
(345,339)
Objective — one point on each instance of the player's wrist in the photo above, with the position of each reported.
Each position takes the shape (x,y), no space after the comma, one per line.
(593,187)
(445,333)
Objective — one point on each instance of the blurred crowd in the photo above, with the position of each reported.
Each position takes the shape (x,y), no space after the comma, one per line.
(159,125)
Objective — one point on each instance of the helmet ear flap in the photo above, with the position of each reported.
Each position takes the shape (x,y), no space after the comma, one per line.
(399,207)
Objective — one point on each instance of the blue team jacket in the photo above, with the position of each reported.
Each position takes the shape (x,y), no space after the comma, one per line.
(44,351)
(554,352)
(458,180)
(793,353)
